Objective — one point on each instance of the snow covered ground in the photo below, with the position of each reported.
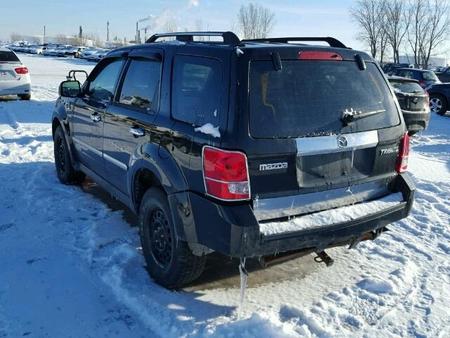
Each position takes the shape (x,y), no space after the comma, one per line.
(70,266)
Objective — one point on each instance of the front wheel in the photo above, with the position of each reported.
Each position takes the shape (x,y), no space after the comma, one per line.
(170,261)
(438,104)
(63,163)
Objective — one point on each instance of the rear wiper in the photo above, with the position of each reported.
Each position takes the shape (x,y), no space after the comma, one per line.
(351,115)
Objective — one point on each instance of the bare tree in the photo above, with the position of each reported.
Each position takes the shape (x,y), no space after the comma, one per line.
(396,25)
(383,41)
(418,16)
(369,15)
(255,21)
(437,29)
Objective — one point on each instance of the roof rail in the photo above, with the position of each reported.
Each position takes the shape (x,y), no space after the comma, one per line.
(331,41)
(229,38)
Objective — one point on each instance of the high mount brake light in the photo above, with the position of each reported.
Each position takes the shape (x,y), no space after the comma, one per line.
(403,154)
(319,55)
(225,174)
(21,70)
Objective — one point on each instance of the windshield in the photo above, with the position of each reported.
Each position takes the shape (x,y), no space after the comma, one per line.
(308,98)
(429,76)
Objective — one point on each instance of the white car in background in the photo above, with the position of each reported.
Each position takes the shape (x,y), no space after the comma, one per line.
(14,76)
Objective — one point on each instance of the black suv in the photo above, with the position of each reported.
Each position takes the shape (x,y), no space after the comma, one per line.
(254,148)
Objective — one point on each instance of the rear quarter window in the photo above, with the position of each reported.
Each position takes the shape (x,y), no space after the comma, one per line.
(7,56)
(429,76)
(198,91)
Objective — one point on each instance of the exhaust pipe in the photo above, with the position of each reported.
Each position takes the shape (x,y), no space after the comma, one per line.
(266,261)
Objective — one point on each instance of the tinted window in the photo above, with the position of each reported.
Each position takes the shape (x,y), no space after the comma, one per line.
(309,98)
(6,56)
(198,92)
(405,73)
(429,76)
(103,85)
(141,85)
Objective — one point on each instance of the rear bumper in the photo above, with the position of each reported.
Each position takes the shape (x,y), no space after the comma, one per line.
(233,230)
(416,121)
(15,88)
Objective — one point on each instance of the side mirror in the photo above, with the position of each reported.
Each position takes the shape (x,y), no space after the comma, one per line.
(70,88)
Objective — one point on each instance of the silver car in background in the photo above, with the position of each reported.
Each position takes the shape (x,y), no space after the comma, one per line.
(14,76)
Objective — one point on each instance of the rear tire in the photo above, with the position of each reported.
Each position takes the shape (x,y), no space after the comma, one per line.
(24,97)
(63,163)
(438,104)
(170,262)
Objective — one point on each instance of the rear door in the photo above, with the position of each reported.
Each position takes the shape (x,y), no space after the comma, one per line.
(317,125)
(88,113)
(129,120)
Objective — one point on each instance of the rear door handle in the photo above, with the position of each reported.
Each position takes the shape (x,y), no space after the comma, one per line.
(96,117)
(137,132)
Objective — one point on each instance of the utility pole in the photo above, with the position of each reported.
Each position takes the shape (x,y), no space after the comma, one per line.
(43,40)
(107,31)
(136,38)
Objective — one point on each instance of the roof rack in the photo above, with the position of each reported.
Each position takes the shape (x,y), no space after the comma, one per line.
(331,41)
(229,38)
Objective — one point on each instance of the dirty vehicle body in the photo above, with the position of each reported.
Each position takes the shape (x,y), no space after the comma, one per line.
(247,148)
(414,102)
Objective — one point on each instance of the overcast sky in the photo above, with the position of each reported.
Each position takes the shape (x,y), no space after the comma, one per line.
(293,17)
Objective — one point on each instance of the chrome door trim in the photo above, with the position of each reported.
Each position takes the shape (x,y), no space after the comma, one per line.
(336,143)
(85,145)
(116,162)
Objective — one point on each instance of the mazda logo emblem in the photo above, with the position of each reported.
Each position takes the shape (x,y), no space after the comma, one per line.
(342,141)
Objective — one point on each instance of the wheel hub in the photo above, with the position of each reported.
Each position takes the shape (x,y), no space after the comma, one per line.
(160,238)
(436,105)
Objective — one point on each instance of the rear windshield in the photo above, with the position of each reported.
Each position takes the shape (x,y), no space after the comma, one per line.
(308,98)
(6,56)
(406,87)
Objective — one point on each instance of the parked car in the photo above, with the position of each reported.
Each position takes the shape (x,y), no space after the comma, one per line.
(85,54)
(389,68)
(96,55)
(414,102)
(14,76)
(249,148)
(425,77)
(444,75)
(439,98)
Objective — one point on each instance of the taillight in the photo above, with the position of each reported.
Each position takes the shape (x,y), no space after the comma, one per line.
(225,174)
(319,55)
(21,70)
(403,154)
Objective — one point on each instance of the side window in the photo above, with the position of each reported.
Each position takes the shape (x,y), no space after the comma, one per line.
(141,85)
(198,90)
(102,86)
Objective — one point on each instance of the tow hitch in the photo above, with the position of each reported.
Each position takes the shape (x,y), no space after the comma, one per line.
(322,257)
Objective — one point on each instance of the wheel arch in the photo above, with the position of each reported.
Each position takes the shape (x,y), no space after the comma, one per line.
(154,170)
